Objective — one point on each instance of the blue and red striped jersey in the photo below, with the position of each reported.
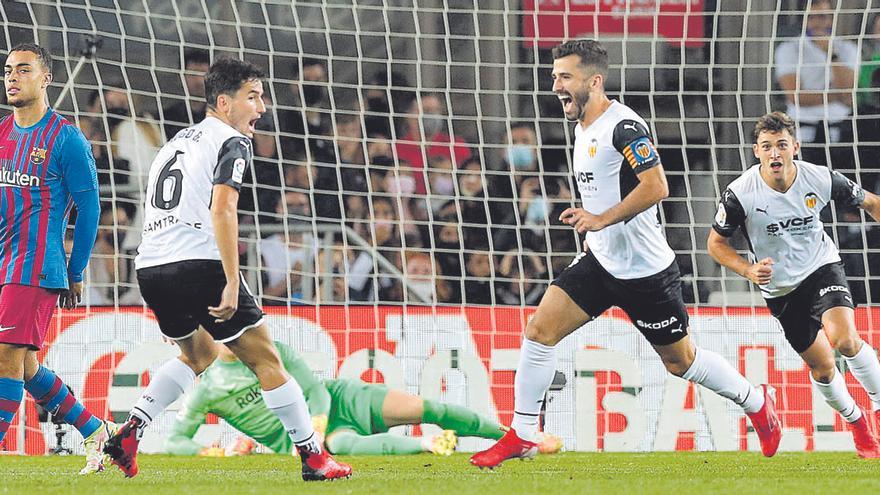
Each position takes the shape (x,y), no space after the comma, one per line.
(41,168)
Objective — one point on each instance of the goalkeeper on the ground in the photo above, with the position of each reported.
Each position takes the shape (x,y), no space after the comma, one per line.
(353,416)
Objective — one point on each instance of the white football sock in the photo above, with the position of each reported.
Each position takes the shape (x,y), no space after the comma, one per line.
(715,373)
(866,368)
(838,397)
(172,380)
(289,404)
(534,374)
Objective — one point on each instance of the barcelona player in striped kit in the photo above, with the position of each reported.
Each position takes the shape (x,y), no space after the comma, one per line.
(46,166)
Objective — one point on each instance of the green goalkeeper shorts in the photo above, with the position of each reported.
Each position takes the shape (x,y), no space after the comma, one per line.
(356,406)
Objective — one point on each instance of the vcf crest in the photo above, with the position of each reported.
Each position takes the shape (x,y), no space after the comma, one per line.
(594,147)
(810,200)
(38,155)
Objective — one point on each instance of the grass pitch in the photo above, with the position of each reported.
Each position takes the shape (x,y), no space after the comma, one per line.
(568,473)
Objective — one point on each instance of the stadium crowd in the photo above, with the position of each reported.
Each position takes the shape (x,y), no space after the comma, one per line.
(374,197)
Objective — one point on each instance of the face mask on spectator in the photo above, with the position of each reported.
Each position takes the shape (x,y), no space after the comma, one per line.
(432,124)
(313,94)
(298,210)
(403,184)
(537,211)
(424,288)
(379,105)
(443,186)
(520,156)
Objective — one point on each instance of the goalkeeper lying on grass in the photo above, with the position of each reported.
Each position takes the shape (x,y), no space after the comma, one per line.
(353,416)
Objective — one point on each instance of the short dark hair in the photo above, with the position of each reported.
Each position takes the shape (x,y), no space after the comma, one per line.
(591,52)
(42,54)
(226,76)
(774,122)
(196,56)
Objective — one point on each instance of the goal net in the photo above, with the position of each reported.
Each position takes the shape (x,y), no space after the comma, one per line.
(400,219)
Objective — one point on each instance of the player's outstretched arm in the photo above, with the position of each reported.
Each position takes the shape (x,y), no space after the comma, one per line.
(224,216)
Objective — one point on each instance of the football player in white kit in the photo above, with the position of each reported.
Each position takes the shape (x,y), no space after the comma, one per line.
(188,273)
(776,203)
(626,262)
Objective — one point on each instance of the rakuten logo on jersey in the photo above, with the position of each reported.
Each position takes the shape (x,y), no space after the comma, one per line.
(833,288)
(659,325)
(17,179)
(792,224)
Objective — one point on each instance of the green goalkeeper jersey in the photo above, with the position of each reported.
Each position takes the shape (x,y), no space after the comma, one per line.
(230,390)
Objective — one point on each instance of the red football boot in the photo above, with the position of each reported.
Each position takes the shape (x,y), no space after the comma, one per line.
(509,447)
(863,436)
(321,466)
(123,446)
(766,423)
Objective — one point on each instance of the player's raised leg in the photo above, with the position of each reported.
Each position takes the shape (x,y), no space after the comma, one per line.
(284,397)
(171,381)
(829,382)
(557,316)
(53,395)
(861,359)
(712,371)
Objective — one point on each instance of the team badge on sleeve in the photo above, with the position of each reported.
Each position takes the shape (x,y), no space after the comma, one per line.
(640,152)
(721,216)
(238,167)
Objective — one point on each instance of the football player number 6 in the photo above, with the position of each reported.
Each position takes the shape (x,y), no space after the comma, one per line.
(168,185)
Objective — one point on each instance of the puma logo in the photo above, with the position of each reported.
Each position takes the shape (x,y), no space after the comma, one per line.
(763,210)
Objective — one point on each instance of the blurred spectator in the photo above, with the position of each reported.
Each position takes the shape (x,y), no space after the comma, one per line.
(869,75)
(478,283)
(427,135)
(266,170)
(191,110)
(93,128)
(310,121)
(364,280)
(425,278)
(288,257)
(441,182)
(520,195)
(134,140)
(386,103)
(817,73)
(378,144)
(109,274)
(472,205)
(521,285)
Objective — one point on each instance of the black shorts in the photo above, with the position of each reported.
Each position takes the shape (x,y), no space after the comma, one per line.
(180,293)
(800,311)
(654,304)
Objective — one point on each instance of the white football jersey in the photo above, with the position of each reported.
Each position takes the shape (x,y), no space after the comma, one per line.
(177,213)
(786,226)
(608,156)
